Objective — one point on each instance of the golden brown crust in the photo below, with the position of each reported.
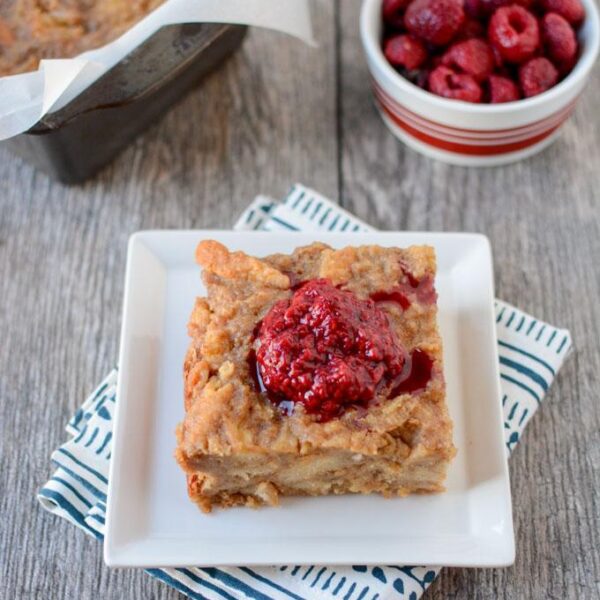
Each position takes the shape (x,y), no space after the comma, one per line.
(216,258)
(31,30)
(241,449)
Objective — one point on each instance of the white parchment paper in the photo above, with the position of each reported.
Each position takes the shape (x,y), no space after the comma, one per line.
(25,98)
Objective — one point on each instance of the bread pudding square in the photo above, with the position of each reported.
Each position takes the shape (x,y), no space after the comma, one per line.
(314,373)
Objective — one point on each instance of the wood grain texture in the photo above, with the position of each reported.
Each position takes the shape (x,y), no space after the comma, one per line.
(277,113)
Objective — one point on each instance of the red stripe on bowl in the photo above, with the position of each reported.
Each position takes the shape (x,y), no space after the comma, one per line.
(466,141)
(470,149)
(483,138)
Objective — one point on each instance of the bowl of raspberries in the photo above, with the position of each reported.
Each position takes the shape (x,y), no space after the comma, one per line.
(478,82)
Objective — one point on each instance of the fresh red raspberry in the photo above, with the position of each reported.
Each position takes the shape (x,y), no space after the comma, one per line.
(571,10)
(473,57)
(514,31)
(536,76)
(393,12)
(503,89)
(559,38)
(405,51)
(435,21)
(445,82)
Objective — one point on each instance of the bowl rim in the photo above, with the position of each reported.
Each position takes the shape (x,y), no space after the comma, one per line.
(582,68)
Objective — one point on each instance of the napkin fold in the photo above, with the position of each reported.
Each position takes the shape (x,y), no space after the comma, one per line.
(530,352)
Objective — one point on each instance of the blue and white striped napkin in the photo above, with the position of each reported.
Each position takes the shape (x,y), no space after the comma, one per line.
(530,352)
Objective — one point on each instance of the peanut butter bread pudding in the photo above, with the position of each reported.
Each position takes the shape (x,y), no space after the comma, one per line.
(34,29)
(314,373)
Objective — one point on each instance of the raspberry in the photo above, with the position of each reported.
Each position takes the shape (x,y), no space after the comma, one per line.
(327,349)
(405,51)
(571,10)
(473,57)
(514,31)
(503,89)
(537,76)
(445,82)
(435,21)
(559,38)
(393,12)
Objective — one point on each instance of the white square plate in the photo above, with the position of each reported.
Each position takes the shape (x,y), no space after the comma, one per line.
(151,521)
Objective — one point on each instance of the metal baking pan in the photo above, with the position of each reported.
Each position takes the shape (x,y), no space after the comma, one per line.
(74,142)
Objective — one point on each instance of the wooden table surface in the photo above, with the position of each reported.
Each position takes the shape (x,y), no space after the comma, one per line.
(277,113)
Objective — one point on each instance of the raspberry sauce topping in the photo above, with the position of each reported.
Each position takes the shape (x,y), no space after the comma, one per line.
(396,295)
(327,349)
(407,290)
(416,376)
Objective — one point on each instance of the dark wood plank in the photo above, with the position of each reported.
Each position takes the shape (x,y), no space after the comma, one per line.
(265,120)
(543,218)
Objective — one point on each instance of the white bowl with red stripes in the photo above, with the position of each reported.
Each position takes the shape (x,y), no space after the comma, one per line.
(468,134)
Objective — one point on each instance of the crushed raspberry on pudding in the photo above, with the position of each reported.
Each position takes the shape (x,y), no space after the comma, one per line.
(327,349)
(396,295)
(409,289)
(416,376)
